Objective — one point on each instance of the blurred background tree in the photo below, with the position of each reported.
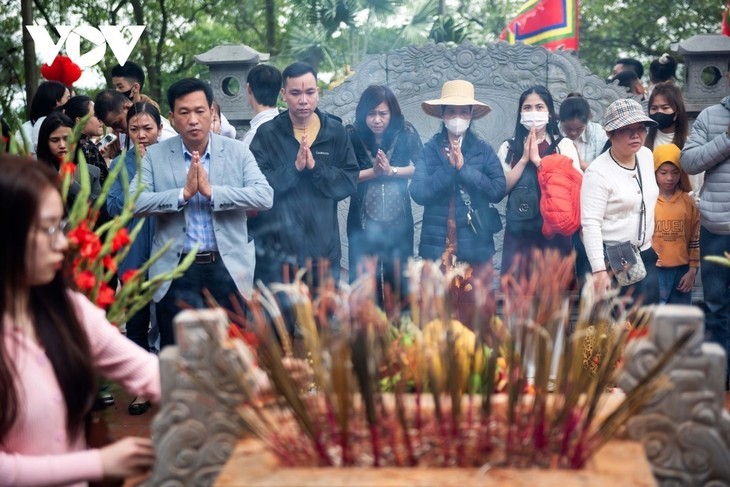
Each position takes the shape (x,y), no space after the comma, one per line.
(334,35)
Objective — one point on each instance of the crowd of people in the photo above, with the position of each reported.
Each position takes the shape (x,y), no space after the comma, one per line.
(616,194)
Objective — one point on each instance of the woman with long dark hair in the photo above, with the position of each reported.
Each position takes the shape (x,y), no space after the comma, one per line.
(48,96)
(53,342)
(380,221)
(144,125)
(666,108)
(54,147)
(536,135)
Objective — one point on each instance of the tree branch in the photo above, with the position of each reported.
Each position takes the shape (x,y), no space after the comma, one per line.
(45,15)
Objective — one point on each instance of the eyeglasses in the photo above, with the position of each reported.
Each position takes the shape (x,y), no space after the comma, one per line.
(55,230)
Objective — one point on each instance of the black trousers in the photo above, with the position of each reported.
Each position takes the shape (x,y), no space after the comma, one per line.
(189,288)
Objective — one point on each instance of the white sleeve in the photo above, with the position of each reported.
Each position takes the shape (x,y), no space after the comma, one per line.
(593,201)
(502,155)
(567,148)
(227,130)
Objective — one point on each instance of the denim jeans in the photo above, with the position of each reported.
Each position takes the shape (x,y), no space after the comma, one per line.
(669,278)
(715,283)
(188,289)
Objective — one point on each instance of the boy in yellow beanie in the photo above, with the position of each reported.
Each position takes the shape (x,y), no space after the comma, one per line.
(677,231)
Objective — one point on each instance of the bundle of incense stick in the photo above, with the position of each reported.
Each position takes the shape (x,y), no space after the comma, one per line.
(442,407)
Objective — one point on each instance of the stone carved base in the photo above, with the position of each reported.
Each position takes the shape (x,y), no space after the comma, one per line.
(197,427)
(685,429)
(619,463)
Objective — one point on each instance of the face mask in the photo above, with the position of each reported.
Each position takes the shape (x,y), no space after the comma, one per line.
(534,119)
(127,93)
(663,120)
(457,126)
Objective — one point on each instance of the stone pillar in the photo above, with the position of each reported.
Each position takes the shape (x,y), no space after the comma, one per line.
(706,58)
(685,428)
(229,65)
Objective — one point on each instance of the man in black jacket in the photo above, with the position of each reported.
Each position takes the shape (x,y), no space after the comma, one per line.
(307,158)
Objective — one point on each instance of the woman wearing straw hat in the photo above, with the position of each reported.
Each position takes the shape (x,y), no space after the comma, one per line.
(618,198)
(457,176)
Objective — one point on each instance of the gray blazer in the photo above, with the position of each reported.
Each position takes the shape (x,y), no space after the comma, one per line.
(238,185)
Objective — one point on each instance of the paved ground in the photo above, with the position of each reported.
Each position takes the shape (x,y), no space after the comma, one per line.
(122,424)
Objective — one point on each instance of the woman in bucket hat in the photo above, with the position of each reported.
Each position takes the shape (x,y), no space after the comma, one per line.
(618,199)
(457,177)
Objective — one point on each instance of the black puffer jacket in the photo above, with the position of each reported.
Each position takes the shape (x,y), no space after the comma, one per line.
(436,183)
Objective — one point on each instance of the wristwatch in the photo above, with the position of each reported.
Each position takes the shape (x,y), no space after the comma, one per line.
(393,171)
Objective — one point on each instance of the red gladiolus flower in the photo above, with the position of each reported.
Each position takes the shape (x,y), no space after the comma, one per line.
(78,234)
(105,298)
(67,168)
(85,281)
(129,275)
(120,239)
(109,263)
(86,240)
(91,248)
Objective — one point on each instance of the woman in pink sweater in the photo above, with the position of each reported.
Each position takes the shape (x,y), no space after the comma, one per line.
(53,343)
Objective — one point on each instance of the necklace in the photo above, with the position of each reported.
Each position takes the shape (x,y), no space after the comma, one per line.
(636,161)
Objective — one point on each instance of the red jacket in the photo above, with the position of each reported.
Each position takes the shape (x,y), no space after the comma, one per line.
(560,195)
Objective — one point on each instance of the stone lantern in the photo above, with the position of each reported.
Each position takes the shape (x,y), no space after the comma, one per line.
(706,58)
(229,65)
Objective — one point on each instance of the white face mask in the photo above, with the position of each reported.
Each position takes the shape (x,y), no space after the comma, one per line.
(534,119)
(457,126)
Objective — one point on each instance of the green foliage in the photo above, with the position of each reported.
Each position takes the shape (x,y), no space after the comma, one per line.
(12,77)
(336,34)
(644,30)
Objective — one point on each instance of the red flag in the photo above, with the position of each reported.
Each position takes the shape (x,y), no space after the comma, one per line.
(553,24)
(725,24)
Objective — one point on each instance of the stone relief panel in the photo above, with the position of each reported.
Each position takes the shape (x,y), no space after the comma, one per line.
(685,428)
(499,71)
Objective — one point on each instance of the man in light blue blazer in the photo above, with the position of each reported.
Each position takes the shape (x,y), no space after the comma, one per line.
(199,185)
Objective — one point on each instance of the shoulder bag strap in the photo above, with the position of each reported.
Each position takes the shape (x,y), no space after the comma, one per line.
(642,213)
